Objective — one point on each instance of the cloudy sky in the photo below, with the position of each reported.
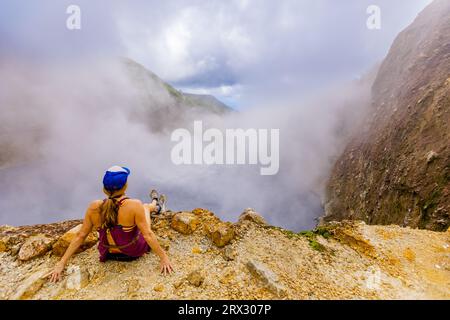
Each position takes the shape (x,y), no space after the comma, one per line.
(243,51)
(265,58)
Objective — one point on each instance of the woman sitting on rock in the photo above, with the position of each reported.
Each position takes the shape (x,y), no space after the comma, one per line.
(123,224)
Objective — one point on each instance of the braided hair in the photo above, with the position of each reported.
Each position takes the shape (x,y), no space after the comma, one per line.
(109,209)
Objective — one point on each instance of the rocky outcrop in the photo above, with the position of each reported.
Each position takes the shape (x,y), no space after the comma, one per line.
(397,169)
(35,246)
(340,260)
(63,242)
(28,288)
(269,279)
(250,214)
(222,234)
(12,238)
(77,278)
(185,222)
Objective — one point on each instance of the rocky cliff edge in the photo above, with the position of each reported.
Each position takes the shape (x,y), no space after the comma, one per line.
(244,260)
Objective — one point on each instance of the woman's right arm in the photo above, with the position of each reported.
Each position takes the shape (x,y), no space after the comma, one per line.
(75,244)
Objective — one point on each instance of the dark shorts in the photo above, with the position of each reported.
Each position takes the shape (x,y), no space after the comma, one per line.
(119,257)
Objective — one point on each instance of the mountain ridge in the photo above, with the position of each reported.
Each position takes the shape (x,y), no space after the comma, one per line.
(205,102)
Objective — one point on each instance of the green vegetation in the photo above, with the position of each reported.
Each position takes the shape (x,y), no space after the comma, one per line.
(316,245)
(324,232)
(310,235)
(173,92)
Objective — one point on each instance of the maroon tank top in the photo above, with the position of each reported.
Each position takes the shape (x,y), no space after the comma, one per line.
(127,240)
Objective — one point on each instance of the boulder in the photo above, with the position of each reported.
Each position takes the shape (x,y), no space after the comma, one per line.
(209,224)
(77,278)
(229,254)
(267,277)
(222,233)
(59,248)
(250,215)
(196,278)
(185,222)
(35,246)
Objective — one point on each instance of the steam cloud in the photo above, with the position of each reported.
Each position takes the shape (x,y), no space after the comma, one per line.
(62,127)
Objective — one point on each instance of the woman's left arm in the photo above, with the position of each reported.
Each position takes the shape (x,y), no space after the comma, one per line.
(146,230)
(74,245)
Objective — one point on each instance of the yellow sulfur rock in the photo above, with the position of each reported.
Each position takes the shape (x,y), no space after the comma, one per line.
(159,287)
(222,234)
(184,222)
(63,243)
(197,250)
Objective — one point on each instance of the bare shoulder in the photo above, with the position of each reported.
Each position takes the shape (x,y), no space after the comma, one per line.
(95,205)
(134,202)
(133,205)
(93,211)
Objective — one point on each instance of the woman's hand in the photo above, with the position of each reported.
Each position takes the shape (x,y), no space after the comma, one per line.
(77,241)
(55,275)
(166,266)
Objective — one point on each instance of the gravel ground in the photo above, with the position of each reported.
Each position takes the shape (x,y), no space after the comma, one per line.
(355,261)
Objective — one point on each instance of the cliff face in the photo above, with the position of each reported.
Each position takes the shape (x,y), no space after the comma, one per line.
(397,170)
(244,260)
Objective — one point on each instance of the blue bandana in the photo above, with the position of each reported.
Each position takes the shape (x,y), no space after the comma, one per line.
(115,178)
